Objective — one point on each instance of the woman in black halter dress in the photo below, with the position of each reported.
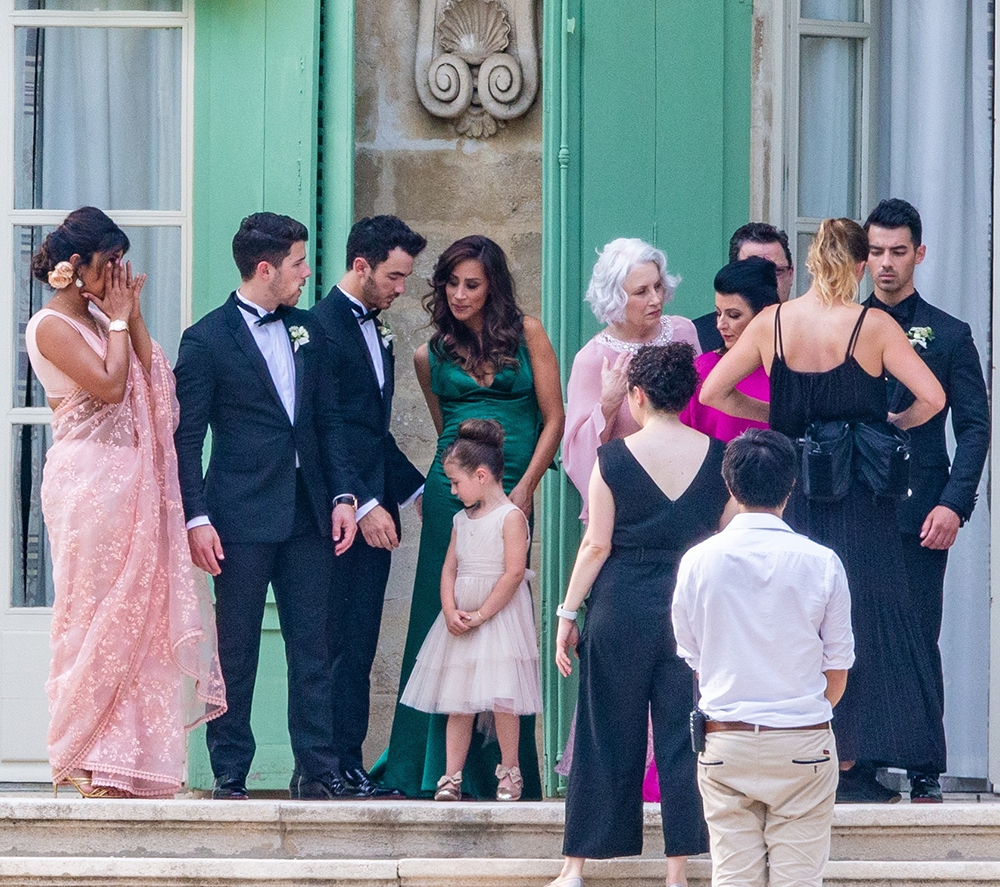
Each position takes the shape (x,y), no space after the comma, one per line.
(827,358)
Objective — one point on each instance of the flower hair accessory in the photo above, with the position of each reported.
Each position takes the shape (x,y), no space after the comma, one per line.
(62,275)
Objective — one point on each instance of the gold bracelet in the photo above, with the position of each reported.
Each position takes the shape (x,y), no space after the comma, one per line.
(479,613)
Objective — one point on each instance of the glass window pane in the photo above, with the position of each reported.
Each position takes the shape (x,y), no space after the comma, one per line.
(834,10)
(32,557)
(102,5)
(154,251)
(829,135)
(802,276)
(97,118)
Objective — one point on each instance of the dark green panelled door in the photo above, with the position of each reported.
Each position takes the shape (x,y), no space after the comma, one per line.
(646,108)
(260,108)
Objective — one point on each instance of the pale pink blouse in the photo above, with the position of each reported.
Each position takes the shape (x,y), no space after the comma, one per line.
(584,418)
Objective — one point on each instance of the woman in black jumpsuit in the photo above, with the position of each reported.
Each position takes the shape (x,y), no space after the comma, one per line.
(653,495)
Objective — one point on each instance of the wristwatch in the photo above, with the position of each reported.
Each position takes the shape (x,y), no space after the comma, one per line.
(563,613)
(346,499)
(118,326)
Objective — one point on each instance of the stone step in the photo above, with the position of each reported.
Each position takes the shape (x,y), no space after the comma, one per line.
(377,830)
(158,872)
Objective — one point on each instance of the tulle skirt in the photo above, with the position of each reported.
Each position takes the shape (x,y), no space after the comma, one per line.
(490,668)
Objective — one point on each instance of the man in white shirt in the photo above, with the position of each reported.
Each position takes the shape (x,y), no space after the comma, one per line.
(763,615)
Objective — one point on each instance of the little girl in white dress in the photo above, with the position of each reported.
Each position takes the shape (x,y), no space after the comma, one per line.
(481,654)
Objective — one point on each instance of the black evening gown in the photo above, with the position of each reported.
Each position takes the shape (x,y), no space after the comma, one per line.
(630,670)
(890,714)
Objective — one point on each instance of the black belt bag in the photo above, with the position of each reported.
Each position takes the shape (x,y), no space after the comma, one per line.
(882,458)
(834,453)
(827,450)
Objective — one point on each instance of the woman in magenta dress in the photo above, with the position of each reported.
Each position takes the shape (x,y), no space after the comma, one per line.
(134,656)
(742,289)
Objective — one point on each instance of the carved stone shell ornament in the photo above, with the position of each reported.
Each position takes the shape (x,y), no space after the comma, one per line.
(476,61)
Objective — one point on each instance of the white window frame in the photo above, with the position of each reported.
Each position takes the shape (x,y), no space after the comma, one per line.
(774,143)
(777,29)
(181,219)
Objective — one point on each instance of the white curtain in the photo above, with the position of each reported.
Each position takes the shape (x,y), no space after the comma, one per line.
(110,106)
(935,149)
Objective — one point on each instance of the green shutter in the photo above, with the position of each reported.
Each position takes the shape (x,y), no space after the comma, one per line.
(258,113)
(646,133)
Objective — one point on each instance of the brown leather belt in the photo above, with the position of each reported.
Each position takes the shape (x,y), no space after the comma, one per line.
(743,726)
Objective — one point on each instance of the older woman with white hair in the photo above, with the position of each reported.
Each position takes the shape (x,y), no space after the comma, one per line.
(627,292)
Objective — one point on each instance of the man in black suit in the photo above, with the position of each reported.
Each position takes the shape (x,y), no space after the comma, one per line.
(261,515)
(941,499)
(380,254)
(755,239)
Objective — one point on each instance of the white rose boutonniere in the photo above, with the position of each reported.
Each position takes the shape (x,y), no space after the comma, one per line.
(299,335)
(385,332)
(920,335)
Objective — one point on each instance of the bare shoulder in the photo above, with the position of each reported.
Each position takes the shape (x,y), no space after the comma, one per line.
(421,356)
(533,329)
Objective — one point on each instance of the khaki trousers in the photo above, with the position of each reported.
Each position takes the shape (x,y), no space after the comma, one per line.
(768,800)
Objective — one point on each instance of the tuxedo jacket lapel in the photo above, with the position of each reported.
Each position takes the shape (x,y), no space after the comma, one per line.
(389,364)
(300,372)
(350,321)
(245,341)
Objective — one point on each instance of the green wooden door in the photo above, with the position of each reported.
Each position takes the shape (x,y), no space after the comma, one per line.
(260,108)
(646,109)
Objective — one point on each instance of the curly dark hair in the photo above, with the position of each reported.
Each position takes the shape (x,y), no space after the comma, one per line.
(85,232)
(479,442)
(503,320)
(666,374)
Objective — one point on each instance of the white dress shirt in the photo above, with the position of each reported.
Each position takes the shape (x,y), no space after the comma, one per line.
(276,347)
(760,612)
(372,340)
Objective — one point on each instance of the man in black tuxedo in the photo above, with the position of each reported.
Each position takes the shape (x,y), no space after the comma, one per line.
(941,499)
(380,254)
(251,370)
(755,239)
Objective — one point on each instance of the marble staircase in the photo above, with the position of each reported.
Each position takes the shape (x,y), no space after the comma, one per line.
(64,843)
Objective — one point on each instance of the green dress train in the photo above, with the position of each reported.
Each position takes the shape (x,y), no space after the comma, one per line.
(415,758)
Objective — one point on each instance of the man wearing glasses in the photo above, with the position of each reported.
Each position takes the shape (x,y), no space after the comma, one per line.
(755,239)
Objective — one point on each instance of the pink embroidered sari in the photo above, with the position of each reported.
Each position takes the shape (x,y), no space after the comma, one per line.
(134,657)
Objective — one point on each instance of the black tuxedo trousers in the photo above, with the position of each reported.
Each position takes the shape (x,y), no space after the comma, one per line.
(298,569)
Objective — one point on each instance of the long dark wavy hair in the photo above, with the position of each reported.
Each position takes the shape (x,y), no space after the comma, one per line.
(503,320)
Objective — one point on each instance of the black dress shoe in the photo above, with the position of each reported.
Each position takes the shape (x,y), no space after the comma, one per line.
(230,788)
(860,785)
(324,787)
(925,788)
(361,785)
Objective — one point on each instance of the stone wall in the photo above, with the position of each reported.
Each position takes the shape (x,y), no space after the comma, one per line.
(413,165)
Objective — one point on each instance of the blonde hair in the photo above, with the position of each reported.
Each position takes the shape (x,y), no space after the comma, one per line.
(839,245)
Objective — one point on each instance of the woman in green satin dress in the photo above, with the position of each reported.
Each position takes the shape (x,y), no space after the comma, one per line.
(485,360)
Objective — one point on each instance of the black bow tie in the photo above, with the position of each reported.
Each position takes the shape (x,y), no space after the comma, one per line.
(363,315)
(902,312)
(270,317)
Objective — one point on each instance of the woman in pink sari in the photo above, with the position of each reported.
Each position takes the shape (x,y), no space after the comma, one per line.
(134,656)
